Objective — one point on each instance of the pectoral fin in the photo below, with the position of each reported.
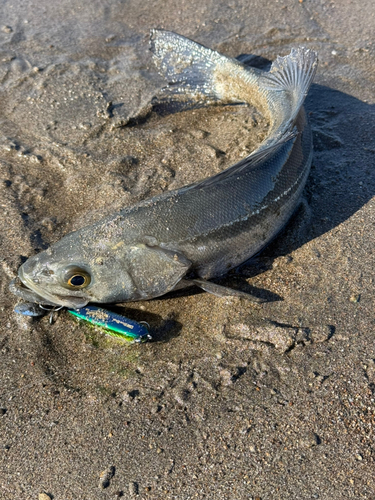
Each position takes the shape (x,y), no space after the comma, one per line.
(224,291)
(154,270)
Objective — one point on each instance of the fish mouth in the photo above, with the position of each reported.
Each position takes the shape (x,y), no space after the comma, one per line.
(26,289)
(18,288)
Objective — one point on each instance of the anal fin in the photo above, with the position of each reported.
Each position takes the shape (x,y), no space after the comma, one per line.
(224,291)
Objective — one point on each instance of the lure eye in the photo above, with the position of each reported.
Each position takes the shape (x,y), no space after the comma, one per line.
(76,278)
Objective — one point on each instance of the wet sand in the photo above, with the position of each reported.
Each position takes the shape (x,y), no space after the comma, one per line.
(220,405)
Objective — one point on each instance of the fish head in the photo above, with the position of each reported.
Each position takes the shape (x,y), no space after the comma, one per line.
(72,274)
(81,268)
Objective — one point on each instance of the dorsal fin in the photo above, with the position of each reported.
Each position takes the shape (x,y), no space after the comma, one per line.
(293,73)
(251,161)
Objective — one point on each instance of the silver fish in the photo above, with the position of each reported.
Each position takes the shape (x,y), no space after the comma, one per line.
(202,230)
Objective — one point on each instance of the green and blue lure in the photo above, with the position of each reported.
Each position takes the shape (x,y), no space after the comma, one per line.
(115,324)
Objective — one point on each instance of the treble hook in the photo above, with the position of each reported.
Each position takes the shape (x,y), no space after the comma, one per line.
(53,310)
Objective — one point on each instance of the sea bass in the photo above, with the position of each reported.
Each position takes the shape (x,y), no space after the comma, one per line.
(190,235)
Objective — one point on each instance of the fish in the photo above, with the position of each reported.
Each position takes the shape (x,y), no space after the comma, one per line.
(115,324)
(199,232)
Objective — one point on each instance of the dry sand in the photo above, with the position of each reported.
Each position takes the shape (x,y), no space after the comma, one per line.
(219,406)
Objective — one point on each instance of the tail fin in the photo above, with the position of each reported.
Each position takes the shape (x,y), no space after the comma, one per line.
(187,65)
(293,73)
(262,154)
(191,71)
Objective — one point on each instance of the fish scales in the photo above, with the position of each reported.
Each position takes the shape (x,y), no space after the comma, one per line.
(200,231)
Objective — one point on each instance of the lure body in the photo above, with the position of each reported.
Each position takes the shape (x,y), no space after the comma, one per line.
(198,232)
(29,309)
(116,324)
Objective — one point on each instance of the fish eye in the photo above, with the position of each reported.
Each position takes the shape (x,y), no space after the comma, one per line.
(76,278)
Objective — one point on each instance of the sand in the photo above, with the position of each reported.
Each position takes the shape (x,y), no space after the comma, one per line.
(221,405)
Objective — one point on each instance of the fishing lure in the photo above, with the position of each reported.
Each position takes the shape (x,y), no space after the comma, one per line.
(115,324)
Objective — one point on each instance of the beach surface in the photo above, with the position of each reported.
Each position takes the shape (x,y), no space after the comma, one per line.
(230,401)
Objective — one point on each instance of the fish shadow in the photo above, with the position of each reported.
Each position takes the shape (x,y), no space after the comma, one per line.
(341,181)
